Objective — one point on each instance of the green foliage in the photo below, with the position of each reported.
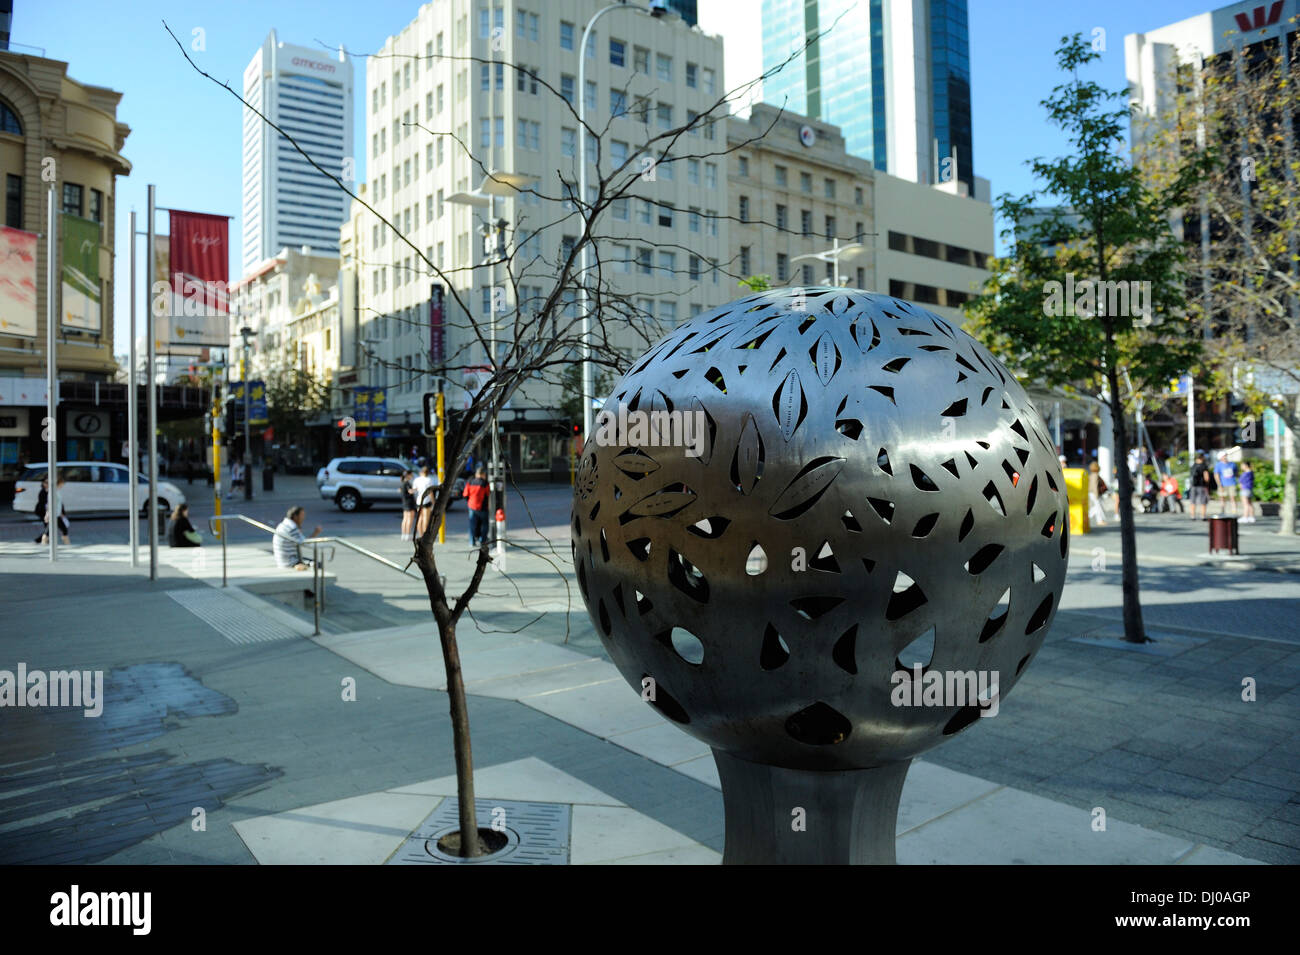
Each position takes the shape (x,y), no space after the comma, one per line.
(1269,485)
(571,383)
(293,398)
(757,283)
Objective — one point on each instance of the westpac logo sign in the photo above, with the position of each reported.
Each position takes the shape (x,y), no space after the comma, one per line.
(1259,18)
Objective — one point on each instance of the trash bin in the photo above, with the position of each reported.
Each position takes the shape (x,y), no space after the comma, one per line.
(1223,534)
(268,479)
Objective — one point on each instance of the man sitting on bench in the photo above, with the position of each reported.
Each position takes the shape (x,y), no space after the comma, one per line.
(288,537)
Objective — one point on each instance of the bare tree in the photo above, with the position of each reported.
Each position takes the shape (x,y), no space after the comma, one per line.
(1238,109)
(538,336)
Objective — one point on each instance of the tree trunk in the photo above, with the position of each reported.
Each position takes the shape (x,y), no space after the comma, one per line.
(1134,631)
(1289,482)
(469,841)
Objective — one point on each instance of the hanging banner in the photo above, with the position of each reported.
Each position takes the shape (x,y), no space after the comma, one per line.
(192,281)
(82,290)
(371,407)
(256,401)
(17,282)
(435,325)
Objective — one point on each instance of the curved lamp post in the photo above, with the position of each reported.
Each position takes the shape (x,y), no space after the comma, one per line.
(799,514)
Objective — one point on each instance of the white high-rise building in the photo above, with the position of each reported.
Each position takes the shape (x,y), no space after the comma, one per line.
(286,201)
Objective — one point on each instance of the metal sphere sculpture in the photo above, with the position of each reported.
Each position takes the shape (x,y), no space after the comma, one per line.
(795,506)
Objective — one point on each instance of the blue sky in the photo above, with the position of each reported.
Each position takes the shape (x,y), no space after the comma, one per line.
(185,130)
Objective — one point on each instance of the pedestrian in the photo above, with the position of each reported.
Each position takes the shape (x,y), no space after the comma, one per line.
(236,477)
(422,491)
(182,532)
(477,492)
(189,469)
(289,538)
(1247,483)
(408,506)
(1096,488)
(1169,494)
(1201,483)
(1225,473)
(43,511)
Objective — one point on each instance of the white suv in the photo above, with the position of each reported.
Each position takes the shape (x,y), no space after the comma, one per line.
(356,483)
(93,487)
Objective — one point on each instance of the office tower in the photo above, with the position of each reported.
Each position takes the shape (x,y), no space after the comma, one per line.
(286,200)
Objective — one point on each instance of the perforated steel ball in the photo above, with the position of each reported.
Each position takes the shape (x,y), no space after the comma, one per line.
(869,490)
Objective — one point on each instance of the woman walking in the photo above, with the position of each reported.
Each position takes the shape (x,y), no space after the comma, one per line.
(43,512)
(408,506)
(1096,488)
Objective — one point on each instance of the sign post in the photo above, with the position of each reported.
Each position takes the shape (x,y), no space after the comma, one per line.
(151,350)
(51,380)
(442,468)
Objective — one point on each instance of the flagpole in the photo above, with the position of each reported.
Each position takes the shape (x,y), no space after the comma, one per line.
(133,411)
(151,352)
(51,377)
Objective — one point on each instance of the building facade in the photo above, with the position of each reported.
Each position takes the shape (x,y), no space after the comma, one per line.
(894,75)
(57,133)
(286,200)
(662,246)
(796,192)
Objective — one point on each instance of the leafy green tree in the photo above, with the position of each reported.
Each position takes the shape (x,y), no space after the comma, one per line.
(1094,285)
(756,283)
(293,397)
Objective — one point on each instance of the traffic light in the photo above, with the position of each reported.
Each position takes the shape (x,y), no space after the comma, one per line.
(430,420)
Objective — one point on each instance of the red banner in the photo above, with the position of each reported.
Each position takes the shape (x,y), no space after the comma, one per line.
(200,258)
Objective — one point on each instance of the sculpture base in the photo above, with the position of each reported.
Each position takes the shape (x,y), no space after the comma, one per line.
(778,816)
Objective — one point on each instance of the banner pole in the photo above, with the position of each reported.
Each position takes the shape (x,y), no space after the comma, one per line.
(133,409)
(152,352)
(51,376)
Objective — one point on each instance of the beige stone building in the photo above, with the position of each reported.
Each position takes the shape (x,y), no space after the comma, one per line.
(796,192)
(57,133)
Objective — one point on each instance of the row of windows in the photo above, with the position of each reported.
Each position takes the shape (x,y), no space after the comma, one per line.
(830,223)
(915,245)
(927,294)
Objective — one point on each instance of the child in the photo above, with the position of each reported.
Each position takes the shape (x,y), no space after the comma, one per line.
(1247,485)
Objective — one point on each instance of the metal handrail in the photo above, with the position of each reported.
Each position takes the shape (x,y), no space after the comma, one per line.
(318,566)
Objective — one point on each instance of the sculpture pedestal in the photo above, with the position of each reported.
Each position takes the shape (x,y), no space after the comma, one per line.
(849,816)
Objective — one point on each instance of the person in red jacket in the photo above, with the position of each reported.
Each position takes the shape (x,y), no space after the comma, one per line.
(477,491)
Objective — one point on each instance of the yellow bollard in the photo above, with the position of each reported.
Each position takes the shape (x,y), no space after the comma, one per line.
(1076,491)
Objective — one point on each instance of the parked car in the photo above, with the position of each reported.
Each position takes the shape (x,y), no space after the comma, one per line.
(93,487)
(355,483)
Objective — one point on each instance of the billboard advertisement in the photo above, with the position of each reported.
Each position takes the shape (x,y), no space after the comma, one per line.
(191,281)
(82,289)
(17,282)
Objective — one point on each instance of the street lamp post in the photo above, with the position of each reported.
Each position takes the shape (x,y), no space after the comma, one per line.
(656,9)
(833,256)
(247,333)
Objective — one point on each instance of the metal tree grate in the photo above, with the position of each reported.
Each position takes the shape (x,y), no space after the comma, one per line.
(537,833)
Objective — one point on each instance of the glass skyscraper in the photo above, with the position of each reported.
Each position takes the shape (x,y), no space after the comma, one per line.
(894,75)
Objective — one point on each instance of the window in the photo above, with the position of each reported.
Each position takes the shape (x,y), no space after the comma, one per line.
(428,106)
(14,201)
(620,207)
(617,53)
(805,182)
(830,227)
(744,260)
(643,261)
(743,211)
(406,220)
(668,312)
(622,259)
(485,76)
(781,178)
(374,146)
(617,102)
(440,140)
(374,100)
(781,217)
(591,45)
(664,67)
(525,80)
(383,92)
(617,152)
(805,222)
(643,211)
(830,188)
(406,173)
(862,277)
(858,231)
(708,80)
(668,262)
(461,83)
(72,198)
(568,142)
(666,216)
(592,149)
(589,97)
(693,171)
(641,60)
(712,216)
(782,267)
(692,128)
(691,75)
(857,195)
(440,98)
(97,206)
(428,209)
(694,219)
(806,274)
(406,77)
(498,21)
(693,267)
(440,203)
(664,113)
(567,85)
(438,48)
(742,167)
(710,175)
(528,135)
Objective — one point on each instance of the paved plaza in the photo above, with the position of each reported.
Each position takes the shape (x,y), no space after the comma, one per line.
(222,700)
